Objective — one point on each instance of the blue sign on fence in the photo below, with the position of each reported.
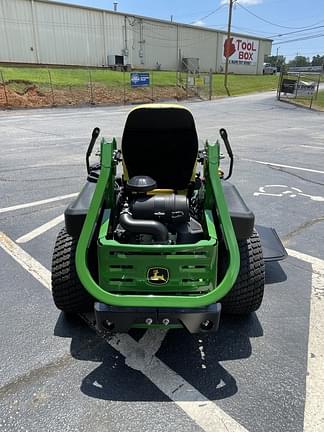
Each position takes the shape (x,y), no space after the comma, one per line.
(140,79)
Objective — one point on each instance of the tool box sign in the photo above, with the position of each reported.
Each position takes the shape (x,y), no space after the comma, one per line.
(240,51)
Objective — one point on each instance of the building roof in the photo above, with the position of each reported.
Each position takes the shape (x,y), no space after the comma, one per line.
(175,23)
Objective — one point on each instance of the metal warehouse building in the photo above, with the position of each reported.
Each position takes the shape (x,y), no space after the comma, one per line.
(46,32)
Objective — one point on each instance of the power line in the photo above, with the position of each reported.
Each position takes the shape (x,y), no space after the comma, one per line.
(208,15)
(296,31)
(252,31)
(315,36)
(190,15)
(246,29)
(274,24)
(302,51)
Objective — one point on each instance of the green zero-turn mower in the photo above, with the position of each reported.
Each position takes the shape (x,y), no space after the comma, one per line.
(158,237)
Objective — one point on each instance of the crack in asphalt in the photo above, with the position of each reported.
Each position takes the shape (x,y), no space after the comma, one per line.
(301,228)
(6,180)
(47,369)
(295,175)
(37,372)
(40,132)
(43,166)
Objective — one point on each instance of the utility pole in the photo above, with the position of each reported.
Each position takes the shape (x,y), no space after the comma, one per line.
(228,39)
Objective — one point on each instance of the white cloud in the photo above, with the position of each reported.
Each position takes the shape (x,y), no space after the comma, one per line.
(245,2)
(199,23)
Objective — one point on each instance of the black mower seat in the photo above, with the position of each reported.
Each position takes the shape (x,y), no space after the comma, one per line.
(160,141)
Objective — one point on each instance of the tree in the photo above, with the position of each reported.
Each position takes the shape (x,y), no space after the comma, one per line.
(300,61)
(318,60)
(279,60)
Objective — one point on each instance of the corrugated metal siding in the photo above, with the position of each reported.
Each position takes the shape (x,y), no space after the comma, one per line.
(16,32)
(68,35)
(265,49)
(160,45)
(63,35)
(114,34)
(33,31)
(76,36)
(200,44)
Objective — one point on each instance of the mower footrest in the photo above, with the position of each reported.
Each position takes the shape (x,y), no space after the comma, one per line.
(121,319)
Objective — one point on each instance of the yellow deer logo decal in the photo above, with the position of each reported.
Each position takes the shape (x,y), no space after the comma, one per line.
(158,275)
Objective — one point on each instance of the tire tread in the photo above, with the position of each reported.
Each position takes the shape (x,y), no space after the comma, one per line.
(68,293)
(247,293)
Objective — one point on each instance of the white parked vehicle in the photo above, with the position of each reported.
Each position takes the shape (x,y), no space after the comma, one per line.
(268,69)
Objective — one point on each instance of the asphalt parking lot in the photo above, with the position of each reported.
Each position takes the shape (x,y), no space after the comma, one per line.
(263,373)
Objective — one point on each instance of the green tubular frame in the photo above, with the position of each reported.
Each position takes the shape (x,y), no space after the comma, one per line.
(104,193)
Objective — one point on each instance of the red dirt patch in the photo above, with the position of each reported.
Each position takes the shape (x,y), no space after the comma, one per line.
(29,95)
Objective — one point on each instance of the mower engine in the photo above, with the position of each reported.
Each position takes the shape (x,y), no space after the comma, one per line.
(148,215)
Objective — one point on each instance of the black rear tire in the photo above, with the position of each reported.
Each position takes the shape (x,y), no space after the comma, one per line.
(68,294)
(247,293)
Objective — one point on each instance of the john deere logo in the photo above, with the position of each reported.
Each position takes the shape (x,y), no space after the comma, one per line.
(158,275)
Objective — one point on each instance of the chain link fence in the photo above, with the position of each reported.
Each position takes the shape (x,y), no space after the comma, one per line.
(47,87)
(299,88)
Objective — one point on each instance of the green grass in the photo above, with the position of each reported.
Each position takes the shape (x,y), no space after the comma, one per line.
(238,84)
(242,84)
(319,102)
(79,77)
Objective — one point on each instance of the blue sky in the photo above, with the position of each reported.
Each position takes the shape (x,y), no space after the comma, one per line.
(287,19)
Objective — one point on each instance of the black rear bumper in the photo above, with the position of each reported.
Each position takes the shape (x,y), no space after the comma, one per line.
(121,319)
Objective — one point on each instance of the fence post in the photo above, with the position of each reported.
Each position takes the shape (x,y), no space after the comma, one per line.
(4,88)
(91,89)
(152,86)
(210,84)
(124,85)
(296,95)
(71,93)
(187,83)
(280,84)
(51,84)
(314,96)
(318,84)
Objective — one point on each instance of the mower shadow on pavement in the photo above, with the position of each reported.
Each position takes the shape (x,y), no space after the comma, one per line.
(194,357)
(274,273)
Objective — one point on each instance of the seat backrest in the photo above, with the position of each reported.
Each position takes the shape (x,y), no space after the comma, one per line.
(161,141)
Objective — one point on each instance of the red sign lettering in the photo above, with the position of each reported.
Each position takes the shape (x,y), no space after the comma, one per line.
(245,56)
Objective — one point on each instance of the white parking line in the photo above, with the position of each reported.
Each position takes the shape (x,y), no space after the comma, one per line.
(26,261)
(204,412)
(141,355)
(284,166)
(69,114)
(311,146)
(37,203)
(93,113)
(314,403)
(40,230)
(317,262)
